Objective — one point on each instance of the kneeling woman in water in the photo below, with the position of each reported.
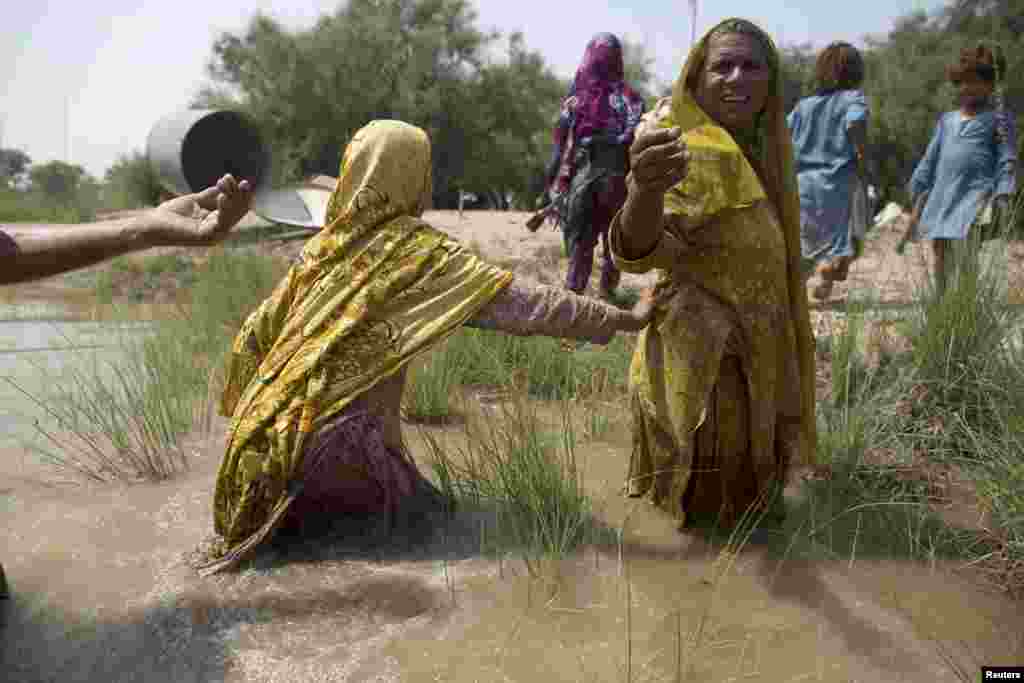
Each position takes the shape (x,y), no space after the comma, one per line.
(317,371)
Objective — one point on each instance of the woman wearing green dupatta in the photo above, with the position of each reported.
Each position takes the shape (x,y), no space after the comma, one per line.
(722,381)
(317,371)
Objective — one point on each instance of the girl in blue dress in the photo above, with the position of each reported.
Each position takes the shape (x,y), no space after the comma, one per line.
(829,132)
(968,173)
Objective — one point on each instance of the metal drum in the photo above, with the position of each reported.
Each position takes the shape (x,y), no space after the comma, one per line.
(190,150)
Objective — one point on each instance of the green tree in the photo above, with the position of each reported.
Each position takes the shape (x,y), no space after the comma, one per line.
(131,182)
(312,89)
(797,64)
(514,104)
(13,165)
(58,181)
(639,68)
(422,61)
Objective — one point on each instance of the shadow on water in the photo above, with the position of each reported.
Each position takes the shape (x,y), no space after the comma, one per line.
(422,530)
(188,637)
(40,644)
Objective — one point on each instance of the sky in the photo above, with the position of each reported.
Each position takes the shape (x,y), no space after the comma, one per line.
(85,81)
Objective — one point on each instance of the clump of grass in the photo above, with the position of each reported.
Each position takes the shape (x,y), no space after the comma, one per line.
(141,278)
(432,386)
(525,475)
(952,403)
(551,373)
(123,420)
(116,420)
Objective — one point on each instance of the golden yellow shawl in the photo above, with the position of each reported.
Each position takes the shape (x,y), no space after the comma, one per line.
(374,289)
(737,184)
(721,178)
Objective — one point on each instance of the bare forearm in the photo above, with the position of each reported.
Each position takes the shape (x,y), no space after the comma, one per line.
(641,222)
(33,251)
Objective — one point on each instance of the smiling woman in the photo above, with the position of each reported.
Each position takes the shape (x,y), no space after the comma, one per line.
(722,381)
(734,84)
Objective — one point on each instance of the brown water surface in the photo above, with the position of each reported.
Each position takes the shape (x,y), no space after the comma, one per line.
(102,591)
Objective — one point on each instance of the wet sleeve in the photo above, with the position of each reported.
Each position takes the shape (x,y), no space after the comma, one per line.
(526,308)
(664,254)
(924,174)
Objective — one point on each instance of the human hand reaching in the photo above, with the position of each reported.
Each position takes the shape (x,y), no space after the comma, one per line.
(643,311)
(202,218)
(658,160)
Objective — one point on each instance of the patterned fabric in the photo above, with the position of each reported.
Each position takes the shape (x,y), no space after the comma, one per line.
(600,107)
(595,195)
(362,465)
(604,105)
(375,288)
(826,167)
(966,164)
(526,309)
(730,351)
(589,163)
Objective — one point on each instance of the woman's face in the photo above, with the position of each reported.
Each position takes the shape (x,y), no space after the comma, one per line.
(735,82)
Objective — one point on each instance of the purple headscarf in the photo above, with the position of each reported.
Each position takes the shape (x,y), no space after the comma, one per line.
(599,104)
(599,76)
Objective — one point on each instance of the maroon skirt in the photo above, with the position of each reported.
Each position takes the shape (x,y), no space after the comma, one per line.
(349,469)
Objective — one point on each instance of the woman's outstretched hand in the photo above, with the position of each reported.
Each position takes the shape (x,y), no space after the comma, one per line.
(644,309)
(658,160)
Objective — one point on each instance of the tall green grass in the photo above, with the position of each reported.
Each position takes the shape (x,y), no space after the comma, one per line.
(124,419)
(524,476)
(474,358)
(950,403)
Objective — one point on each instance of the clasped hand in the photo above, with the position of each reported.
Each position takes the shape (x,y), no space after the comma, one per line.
(658,160)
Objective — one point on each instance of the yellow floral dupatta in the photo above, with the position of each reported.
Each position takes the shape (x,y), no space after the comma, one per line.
(721,177)
(374,289)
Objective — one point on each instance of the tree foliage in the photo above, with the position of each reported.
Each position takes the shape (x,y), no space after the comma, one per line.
(59,181)
(489,104)
(14,165)
(132,183)
(423,61)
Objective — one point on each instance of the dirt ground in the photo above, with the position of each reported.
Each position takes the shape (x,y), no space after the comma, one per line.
(102,591)
(880,274)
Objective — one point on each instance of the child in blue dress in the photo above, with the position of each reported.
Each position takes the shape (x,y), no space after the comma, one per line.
(968,173)
(829,132)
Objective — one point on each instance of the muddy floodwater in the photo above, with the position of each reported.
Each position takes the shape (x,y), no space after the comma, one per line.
(44,341)
(102,592)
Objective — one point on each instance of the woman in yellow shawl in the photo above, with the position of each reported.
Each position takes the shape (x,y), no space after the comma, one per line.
(317,371)
(722,381)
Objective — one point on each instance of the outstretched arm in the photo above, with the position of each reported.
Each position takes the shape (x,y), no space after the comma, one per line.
(34,251)
(527,308)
